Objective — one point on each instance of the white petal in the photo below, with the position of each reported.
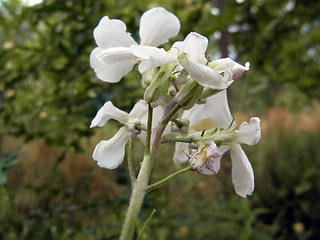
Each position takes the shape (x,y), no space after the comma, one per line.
(151,57)
(223,63)
(228,64)
(238,70)
(217,109)
(107,112)
(110,67)
(115,55)
(157,116)
(157,25)
(139,110)
(109,154)
(204,75)
(195,114)
(249,133)
(242,172)
(209,168)
(112,33)
(179,154)
(195,45)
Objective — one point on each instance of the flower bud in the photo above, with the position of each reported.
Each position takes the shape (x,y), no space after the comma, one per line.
(175,128)
(146,78)
(189,94)
(157,91)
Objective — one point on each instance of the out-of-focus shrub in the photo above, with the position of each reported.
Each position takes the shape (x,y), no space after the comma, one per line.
(45,197)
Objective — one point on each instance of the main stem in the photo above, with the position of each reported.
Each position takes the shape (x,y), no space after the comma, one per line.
(136,200)
(140,188)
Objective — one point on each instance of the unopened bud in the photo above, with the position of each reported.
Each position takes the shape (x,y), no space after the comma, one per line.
(157,91)
(189,94)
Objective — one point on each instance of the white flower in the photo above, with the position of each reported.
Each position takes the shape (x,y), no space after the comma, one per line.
(110,153)
(217,109)
(191,54)
(242,172)
(115,55)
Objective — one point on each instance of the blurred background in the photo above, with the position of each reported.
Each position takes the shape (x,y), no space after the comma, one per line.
(50,188)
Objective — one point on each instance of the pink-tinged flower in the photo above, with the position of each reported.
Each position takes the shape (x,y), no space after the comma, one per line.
(110,153)
(118,52)
(217,109)
(206,160)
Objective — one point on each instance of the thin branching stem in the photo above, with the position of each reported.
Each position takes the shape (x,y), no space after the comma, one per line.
(132,176)
(166,179)
(146,225)
(177,139)
(149,130)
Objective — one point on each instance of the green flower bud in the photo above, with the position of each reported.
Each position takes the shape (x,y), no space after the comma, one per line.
(188,94)
(157,91)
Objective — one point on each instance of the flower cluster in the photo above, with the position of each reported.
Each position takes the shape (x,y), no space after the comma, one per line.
(180,78)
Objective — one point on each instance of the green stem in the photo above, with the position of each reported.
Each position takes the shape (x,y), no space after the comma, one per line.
(136,200)
(149,130)
(139,189)
(161,182)
(146,225)
(167,118)
(177,122)
(177,139)
(133,178)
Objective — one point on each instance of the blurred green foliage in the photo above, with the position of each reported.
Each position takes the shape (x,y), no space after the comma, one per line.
(7,161)
(49,91)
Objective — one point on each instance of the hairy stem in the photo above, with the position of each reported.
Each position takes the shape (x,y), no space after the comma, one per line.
(139,189)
